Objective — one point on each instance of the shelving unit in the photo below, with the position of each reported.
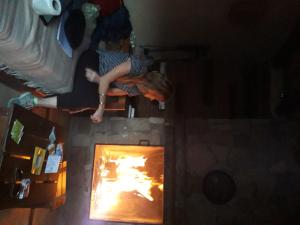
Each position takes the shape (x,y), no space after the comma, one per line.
(16,161)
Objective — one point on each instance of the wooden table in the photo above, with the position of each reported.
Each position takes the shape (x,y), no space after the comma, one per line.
(15,157)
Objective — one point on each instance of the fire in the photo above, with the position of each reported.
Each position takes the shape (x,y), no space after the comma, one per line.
(128,177)
(127,184)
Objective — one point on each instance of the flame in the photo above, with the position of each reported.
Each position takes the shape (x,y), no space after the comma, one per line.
(122,174)
(161,187)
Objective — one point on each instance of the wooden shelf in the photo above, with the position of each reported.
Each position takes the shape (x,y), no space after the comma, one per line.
(43,188)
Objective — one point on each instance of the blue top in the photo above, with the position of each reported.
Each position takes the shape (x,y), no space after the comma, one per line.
(109,60)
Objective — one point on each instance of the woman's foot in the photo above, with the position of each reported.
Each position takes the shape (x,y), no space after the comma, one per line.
(96,117)
(92,76)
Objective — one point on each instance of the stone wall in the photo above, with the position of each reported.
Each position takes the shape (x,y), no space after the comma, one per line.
(262,157)
(84,135)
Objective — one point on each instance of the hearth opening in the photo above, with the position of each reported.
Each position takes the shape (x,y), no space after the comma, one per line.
(128,184)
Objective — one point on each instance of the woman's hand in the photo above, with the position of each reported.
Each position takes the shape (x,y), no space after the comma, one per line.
(97,116)
(92,76)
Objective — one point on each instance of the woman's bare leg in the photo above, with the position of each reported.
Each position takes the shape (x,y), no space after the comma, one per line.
(28,101)
(50,102)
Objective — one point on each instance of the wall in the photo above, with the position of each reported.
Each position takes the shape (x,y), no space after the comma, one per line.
(262,157)
(194,22)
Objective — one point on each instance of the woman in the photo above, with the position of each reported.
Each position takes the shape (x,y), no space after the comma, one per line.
(117,74)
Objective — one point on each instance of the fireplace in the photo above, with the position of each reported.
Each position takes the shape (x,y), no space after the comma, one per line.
(127,184)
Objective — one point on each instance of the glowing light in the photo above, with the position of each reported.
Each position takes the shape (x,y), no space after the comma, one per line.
(128,184)
(128,178)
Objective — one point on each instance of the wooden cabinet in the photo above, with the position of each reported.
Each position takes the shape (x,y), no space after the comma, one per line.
(16,160)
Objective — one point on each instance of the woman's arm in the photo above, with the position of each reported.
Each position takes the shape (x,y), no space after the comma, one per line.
(104,81)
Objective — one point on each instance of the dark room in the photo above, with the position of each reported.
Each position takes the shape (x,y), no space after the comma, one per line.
(172,112)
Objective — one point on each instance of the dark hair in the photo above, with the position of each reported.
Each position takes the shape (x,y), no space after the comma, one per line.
(153,81)
(158,82)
